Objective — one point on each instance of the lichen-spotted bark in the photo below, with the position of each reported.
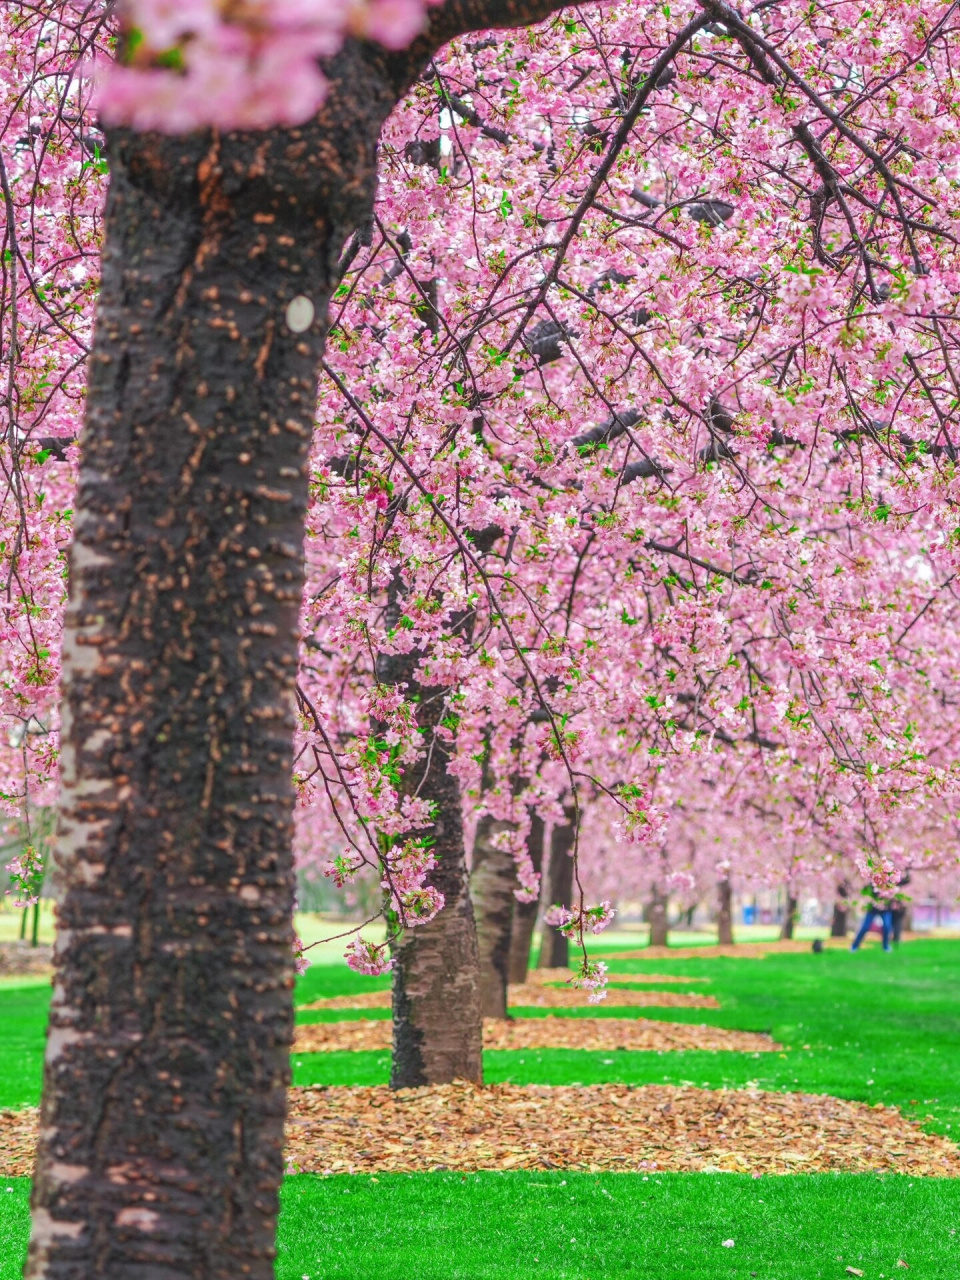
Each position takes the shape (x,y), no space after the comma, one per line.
(841,908)
(789,916)
(659,927)
(724,913)
(168,1052)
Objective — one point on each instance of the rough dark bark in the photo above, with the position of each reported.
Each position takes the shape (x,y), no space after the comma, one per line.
(437,1027)
(839,925)
(493,878)
(659,929)
(724,913)
(525,913)
(789,918)
(168,1051)
(558,889)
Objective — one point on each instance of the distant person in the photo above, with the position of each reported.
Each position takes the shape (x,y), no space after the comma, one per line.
(875,906)
(899,909)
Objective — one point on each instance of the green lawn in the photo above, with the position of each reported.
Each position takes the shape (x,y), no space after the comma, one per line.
(880,1028)
(875,1027)
(23,1018)
(511,1226)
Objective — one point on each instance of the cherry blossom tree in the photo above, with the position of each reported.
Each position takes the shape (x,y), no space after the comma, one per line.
(616,537)
(168,1051)
(630,486)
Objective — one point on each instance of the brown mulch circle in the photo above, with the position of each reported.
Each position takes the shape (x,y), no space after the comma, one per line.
(738,951)
(529,995)
(539,976)
(18,958)
(547,1033)
(662,1127)
(18,1139)
(532,995)
(711,951)
(459,1126)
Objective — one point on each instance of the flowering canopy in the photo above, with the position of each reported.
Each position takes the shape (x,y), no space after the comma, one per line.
(636,424)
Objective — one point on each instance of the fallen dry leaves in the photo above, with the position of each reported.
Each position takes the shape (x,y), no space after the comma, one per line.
(743,951)
(18,958)
(458,1126)
(539,976)
(737,951)
(18,1139)
(532,995)
(547,1033)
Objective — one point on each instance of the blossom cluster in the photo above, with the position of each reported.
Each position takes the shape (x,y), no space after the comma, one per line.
(236,66)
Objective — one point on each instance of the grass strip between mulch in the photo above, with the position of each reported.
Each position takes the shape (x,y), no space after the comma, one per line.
(595,1226)
(548,1033)
(532,996)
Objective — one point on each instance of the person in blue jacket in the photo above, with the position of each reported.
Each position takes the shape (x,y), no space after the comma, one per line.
(876,905)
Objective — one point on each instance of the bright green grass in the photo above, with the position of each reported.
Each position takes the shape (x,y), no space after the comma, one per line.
(23,1018)
(500,1226)
(879,1028)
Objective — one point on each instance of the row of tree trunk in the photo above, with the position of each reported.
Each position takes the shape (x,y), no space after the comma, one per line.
(455,971)
(505,926)
(660,929)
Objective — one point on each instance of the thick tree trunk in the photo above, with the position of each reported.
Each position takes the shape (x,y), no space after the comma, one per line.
(437,1026)
(839,925)
(168,1052)
(558,889)
(493,878)
(525,913)
(659,931)
(724,913)
(790,917)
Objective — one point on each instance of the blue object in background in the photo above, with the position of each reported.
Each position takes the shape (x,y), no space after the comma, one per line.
(749,915)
